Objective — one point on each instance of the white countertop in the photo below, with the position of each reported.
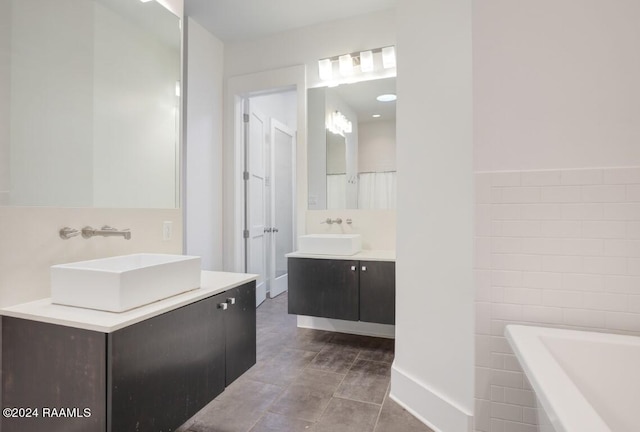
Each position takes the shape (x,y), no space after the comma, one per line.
(107,322)
(365,255)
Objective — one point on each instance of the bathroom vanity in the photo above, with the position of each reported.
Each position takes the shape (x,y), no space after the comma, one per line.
(359,287)
(147,369)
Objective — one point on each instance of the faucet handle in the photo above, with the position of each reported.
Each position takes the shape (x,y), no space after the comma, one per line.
(66,233)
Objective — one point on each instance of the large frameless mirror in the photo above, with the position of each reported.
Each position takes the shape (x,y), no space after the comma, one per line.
(89,104)
(352,146)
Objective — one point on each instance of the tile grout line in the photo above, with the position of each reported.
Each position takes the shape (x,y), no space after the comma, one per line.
(381,405)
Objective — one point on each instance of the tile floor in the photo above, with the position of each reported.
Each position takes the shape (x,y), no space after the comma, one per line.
(308,380)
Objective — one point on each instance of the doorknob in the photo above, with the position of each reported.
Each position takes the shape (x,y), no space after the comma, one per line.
(267,230)
(276,230)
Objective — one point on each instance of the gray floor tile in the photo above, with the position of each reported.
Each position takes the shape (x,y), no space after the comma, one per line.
(366,381)
(335,358)
(395,418)
(282,367)
(343,415)
(308,380)
(278,423)
(301,404)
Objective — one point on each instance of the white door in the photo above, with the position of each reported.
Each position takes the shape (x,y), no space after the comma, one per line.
(255,199)
(283,145)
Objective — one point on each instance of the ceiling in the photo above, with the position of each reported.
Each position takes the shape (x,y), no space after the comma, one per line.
(361,98)
(236,20)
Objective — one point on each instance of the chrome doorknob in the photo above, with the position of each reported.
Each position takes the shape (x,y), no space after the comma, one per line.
(267,230)
(276,230)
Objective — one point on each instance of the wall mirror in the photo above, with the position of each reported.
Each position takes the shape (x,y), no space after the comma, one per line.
(352,146)
(89,104)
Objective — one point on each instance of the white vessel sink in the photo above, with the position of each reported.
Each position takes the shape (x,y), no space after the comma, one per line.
(123,282)
(330,244)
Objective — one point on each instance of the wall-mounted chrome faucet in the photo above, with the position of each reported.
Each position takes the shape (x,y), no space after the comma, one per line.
(338,221)
(106,231)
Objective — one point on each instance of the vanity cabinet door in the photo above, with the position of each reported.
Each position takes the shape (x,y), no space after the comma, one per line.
(324,288)
(165,369)
(48,366)
(378,292)
(240,329)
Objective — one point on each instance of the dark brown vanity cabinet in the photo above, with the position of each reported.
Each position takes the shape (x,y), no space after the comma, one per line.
(148,377)
(324,288)
(342,289)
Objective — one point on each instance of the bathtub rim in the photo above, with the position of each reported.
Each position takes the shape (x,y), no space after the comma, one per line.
(567,408)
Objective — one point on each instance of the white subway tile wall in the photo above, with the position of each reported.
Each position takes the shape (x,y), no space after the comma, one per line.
(554,248)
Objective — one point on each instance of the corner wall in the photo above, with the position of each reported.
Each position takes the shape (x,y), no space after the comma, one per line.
(557,210)
(203,146)
(433,375)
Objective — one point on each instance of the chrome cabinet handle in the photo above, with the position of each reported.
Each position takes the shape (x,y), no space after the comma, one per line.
(223,306)
(353,268)
(364,268)
(231,300)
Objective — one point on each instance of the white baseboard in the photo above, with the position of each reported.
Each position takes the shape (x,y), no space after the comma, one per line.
(427,405)
(341,326)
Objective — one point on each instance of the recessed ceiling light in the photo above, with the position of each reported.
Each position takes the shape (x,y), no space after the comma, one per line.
(387,97)
(145,1)
(376,116)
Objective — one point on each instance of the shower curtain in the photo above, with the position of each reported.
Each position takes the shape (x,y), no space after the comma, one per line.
(377,190)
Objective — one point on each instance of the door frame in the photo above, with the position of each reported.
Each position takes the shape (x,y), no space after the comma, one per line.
(239,88)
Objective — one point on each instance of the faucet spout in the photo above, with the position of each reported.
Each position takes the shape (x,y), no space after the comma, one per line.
(105,231)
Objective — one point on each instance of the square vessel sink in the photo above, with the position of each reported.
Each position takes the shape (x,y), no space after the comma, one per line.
(330,244)
(123,282)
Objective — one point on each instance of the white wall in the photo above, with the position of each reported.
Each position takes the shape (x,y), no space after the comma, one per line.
(51,100)
(377,146)
(203,146)
(5,95)
(433,370)
(309,44)
(555,84)
(138,136)
(555,98)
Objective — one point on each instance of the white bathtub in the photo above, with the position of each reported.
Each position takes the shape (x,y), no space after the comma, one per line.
(584,381)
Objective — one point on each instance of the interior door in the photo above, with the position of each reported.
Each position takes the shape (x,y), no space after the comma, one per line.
(283,145)
(255,198)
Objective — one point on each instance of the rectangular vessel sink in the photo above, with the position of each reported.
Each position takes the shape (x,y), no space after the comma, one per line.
(330,244)
(123,282)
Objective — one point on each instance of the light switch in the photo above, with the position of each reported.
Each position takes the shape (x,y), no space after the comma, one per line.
(167,230)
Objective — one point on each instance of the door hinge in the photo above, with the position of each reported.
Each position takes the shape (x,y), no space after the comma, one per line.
(245,118)
(245,175)
(245,234)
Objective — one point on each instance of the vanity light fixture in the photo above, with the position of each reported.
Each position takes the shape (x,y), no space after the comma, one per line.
(376,116)
(325,68)
(346,65)
(366,61)
(145,1)
(387,97)
(339,124)
(389,57)
(357,62)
